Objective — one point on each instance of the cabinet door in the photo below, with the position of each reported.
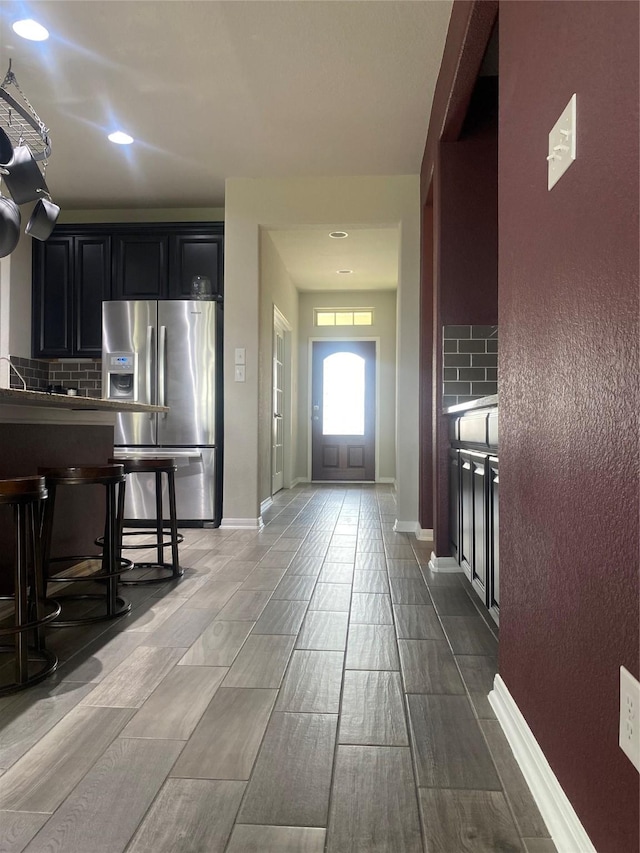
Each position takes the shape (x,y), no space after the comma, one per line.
(454,502)
(140,266)
(191,255)
(494,543)
(92,288)
(465,550)
(52,298)
(479,565)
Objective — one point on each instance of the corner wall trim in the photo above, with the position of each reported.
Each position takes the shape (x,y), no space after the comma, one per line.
(563,823)
(242,523)
(444,565)
(390,481)
(265,505)
(424,534)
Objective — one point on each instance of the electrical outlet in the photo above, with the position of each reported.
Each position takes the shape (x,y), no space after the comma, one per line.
(629,732)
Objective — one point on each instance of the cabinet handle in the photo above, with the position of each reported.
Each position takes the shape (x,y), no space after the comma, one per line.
(162,373)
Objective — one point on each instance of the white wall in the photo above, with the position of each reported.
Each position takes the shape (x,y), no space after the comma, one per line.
(337,203)
(383,303)
(15,304)
(276,288)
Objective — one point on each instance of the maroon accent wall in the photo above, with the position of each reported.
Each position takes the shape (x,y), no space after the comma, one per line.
(568,384)
(425,497)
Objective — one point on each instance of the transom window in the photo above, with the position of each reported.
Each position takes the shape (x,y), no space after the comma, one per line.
(343,317)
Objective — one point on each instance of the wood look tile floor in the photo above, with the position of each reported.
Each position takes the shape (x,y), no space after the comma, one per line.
(310,687)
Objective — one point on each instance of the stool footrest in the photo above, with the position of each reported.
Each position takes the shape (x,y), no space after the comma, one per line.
(125,566)
(49,663)
(169,573)
(122,607)
(28,626)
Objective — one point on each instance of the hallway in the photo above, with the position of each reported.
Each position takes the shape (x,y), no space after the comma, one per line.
(312,686)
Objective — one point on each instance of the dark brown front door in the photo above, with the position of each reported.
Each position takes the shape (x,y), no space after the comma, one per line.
(343,410)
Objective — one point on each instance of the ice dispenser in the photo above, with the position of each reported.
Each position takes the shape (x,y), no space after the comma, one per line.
(122,377)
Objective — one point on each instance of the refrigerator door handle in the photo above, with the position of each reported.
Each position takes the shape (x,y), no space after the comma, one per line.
(149,344)
(162,371)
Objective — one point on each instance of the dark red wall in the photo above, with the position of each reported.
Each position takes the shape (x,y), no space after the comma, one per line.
(568,384)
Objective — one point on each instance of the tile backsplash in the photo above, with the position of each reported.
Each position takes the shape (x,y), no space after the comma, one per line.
(84,375)
(470,363)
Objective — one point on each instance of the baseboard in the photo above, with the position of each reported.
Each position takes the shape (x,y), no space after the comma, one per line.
(563,823)
(299,480)
(242,523)
(424,534)
(386,480)
(405,526)
(444,565)
(265,505)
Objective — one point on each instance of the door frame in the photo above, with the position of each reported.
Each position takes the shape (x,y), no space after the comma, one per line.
(339,339)
(287,470)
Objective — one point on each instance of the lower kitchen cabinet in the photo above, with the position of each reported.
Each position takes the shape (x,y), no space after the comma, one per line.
(474,513)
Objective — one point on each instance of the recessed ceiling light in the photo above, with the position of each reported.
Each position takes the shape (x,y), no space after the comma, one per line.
(120,138)
(344,272)
(32,30)
(338,235)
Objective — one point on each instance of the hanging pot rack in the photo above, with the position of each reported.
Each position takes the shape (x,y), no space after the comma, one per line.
(21,122)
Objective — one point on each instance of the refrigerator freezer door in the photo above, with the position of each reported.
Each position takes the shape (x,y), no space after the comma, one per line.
(186,372)
(195,484)
(130,328)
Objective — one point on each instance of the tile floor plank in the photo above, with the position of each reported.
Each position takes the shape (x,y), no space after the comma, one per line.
(469,635)
(368,608)
(290,782)
(103,811)
(132,681)
(373,803)
(176,705)
(190,816)
(281,617)
(336,573)
(41,779)
(409,591)
(182,628)
(248,838)
(261,662)
(313,682)
(478,673)
(245,605)
(266,579)
(417,622)
(429,667)
(18,828)
(372,647)
(227,738)
(453,601)
(370,562)
(372,710)
(218,644)
(449,749)
(331,596)
(370,582)
(467,822)
(295,588)
(323,631)
(539,845)
(403,569)
(214,594)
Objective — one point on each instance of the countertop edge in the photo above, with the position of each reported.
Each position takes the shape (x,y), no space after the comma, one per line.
(15,396)
(471,405)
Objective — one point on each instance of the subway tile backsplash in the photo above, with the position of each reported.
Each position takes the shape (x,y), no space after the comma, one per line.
(84,375)
(470,363)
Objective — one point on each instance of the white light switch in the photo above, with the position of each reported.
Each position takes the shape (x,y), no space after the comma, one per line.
(562,144)
(239,374)
(240,355)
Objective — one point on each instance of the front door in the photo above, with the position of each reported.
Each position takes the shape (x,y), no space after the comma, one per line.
(343,410)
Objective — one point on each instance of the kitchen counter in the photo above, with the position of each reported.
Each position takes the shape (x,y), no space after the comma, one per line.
(480,403)
(16,397)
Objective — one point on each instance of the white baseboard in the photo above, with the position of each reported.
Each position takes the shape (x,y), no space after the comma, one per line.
(242,523)
(405,526)
(386,480)
(265,505)
(298,480)
(444,565)
(563,823)
(424,534)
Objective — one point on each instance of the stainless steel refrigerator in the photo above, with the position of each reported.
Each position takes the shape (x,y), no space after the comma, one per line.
(167,353)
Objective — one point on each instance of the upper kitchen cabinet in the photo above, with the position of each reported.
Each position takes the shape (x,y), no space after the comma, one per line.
(71,278)
(140,262)
(192,254)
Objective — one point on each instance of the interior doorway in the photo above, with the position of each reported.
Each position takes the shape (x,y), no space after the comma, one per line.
(280,411)
(343,410)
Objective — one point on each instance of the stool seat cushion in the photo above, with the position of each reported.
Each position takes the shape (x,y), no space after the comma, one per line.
(83,475)
(22,489)
(146,465)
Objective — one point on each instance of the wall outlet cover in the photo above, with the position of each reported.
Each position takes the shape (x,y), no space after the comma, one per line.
(629,732)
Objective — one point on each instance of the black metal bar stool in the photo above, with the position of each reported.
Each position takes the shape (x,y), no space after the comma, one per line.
(26,495)
(164,571)
(112,477)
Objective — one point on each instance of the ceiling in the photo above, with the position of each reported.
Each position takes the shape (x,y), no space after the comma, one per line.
(242,88)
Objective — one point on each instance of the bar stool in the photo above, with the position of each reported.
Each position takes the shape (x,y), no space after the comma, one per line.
(112,477)
(26,495)
(164,571)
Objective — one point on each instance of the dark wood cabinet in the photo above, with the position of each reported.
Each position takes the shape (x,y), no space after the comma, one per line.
(81,266)
(140,264)
(71,278)
(474,504)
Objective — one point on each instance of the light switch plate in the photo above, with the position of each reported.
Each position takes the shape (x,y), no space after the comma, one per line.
(562,144)
(239,373)
(629,730)
(240,355)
